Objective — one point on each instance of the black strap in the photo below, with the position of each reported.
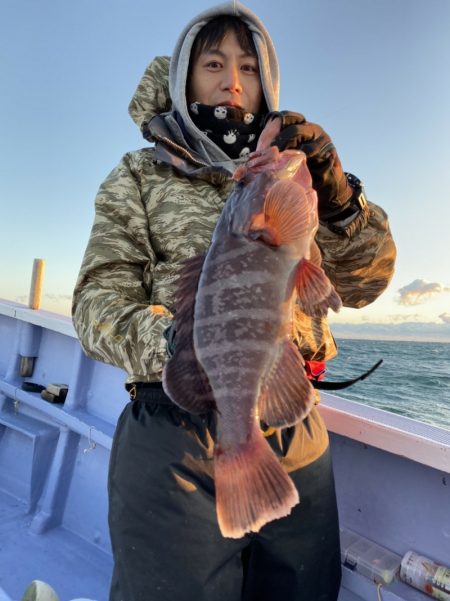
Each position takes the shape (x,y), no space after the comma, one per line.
(148,392)
(152,392)
(345,383)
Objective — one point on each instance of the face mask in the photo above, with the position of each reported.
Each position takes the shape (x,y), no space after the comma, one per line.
(233,130)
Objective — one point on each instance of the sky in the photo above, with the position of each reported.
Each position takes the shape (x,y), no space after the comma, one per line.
(373,73)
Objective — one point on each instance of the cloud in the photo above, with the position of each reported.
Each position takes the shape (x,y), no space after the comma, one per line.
(445,317)
(419,292)
(399,317)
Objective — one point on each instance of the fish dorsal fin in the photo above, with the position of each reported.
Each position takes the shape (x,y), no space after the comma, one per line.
(184,379)
(316,294)
(286,215)
(287,395)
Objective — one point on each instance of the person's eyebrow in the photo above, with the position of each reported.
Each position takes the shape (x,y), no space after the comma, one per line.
(218,52)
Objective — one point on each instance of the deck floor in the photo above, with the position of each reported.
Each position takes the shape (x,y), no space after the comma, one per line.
(82,570)
(346,595)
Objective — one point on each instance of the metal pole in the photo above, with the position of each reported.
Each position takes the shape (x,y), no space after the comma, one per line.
(37,282)
(31,335)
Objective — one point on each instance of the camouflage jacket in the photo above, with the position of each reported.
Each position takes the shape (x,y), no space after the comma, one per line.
(158,207)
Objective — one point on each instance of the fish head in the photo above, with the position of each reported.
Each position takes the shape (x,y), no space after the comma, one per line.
(247,200)
(273,201)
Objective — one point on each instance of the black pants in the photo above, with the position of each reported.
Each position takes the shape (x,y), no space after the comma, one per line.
(166,542)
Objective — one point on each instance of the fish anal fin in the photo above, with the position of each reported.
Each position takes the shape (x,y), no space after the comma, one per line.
(252,487)
(184,379)
(316,294)
(286,394)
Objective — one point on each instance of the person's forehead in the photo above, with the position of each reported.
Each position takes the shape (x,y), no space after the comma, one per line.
(218,51)
(229,38)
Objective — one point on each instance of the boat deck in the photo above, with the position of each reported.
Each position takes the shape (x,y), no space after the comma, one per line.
(72,566)
(389,470)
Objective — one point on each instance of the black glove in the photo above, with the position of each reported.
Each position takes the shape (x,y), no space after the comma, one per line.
(329,181)
(169,334)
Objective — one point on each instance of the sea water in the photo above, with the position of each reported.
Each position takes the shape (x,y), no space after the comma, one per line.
(414,379)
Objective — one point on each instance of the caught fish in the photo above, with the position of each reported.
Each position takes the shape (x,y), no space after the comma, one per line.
(234,350)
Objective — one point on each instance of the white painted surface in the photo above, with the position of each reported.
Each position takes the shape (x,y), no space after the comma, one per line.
(388,431)
(394,433)
(45,319)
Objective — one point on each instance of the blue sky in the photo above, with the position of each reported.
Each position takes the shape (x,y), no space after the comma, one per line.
(374,74)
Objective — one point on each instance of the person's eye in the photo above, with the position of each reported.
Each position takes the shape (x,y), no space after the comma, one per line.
(249,68)
(214,65)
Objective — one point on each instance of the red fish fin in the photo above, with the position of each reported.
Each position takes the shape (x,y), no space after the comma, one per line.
(316,294)
(184,379)
(287,212)
(286,395)
(252,488)
(239,173)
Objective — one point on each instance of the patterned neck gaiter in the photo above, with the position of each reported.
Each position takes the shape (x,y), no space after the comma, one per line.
(233,130)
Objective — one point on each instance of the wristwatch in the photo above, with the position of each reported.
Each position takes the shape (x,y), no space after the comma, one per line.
(359,197)
(358,203)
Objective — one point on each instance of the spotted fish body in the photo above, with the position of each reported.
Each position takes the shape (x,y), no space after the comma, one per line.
(235,351)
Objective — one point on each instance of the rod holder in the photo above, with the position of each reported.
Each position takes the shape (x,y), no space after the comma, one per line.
(37,283)
(31,335)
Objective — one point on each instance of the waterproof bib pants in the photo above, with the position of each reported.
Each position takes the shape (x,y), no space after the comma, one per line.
(166,543)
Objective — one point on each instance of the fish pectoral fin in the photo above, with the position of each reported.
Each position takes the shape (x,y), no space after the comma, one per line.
(286,394)
(184,379)
(287,211)
(260,230)
(316,294)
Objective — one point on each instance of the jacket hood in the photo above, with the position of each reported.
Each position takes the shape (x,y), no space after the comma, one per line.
(162,90)
(152,95)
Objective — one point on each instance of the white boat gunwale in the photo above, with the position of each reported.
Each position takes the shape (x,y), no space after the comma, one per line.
(391,432)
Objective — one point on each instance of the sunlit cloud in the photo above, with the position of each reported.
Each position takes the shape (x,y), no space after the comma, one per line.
(419,292)
(399,318)
(445,317)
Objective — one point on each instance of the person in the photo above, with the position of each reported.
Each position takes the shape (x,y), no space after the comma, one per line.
(204,109)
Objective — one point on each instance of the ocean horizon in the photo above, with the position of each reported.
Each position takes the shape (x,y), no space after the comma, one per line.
(413,380)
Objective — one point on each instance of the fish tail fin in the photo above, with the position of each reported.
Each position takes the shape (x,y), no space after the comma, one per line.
(252,488)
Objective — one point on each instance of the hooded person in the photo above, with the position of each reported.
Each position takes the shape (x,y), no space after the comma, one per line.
(181,123)
(156,209)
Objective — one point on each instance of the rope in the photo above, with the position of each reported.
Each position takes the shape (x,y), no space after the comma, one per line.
(379,587)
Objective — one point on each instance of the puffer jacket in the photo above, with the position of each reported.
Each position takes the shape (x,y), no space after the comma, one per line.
(158,207)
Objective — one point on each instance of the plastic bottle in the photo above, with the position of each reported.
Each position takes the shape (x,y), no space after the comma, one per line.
(422,573)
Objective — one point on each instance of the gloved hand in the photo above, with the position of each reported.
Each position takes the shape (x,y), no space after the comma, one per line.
(329,181)
(169,334)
